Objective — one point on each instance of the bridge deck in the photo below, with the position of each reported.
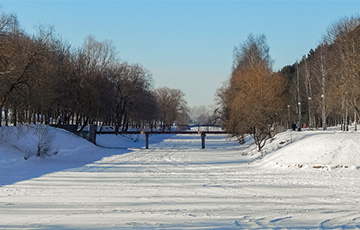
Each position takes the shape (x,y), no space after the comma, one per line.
(147,134)
(163,132)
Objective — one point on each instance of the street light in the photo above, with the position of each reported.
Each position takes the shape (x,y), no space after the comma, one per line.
(299,128)
(289,123)
(309,103)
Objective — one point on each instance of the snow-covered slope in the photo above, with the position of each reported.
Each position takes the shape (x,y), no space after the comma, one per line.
(320,150)
(26,140)
(19,146)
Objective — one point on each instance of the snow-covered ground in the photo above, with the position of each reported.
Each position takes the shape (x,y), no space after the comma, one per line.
(305,180)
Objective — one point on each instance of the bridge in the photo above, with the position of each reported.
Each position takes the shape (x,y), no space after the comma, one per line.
(147,134)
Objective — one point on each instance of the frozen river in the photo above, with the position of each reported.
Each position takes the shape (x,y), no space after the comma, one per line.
(177,185)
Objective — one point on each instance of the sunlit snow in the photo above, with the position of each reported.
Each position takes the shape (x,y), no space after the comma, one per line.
(305,180)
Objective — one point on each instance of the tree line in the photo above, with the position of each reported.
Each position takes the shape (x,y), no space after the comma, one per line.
(320,90)
(44,80)
(323,87)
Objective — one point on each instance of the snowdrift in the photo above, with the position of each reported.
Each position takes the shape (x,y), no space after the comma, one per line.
(319,150)
(19,147)
(25,142)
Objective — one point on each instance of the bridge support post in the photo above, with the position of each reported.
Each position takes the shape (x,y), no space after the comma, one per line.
(92,132)
(203,135)
(147,139)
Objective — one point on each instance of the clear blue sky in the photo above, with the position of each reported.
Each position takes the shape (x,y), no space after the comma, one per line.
(187,44)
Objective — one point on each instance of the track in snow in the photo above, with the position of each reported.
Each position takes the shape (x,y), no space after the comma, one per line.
(169,186)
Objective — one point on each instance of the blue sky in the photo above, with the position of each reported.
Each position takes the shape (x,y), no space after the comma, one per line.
(187,44)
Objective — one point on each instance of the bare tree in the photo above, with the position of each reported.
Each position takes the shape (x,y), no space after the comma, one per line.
(92,62)
(201,114)
(19,70)
(172,106)
(343,39)
(254,97)
(131,85)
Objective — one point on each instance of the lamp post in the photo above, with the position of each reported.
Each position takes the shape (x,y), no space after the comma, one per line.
(289,121)
(323,112)
(299,122)
(309,103)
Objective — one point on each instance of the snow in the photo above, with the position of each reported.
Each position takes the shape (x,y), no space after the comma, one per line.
(315,149)
(177,185)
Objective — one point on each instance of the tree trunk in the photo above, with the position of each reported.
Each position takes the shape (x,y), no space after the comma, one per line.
(346,117)
(355,120)
(309,93)
(355,115)
(1,116)
(298,95)
(6,116)
(323,87)
(85,123)
(14,116)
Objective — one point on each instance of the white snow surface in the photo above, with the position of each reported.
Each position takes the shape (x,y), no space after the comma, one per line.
(316,149)
(302,180)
